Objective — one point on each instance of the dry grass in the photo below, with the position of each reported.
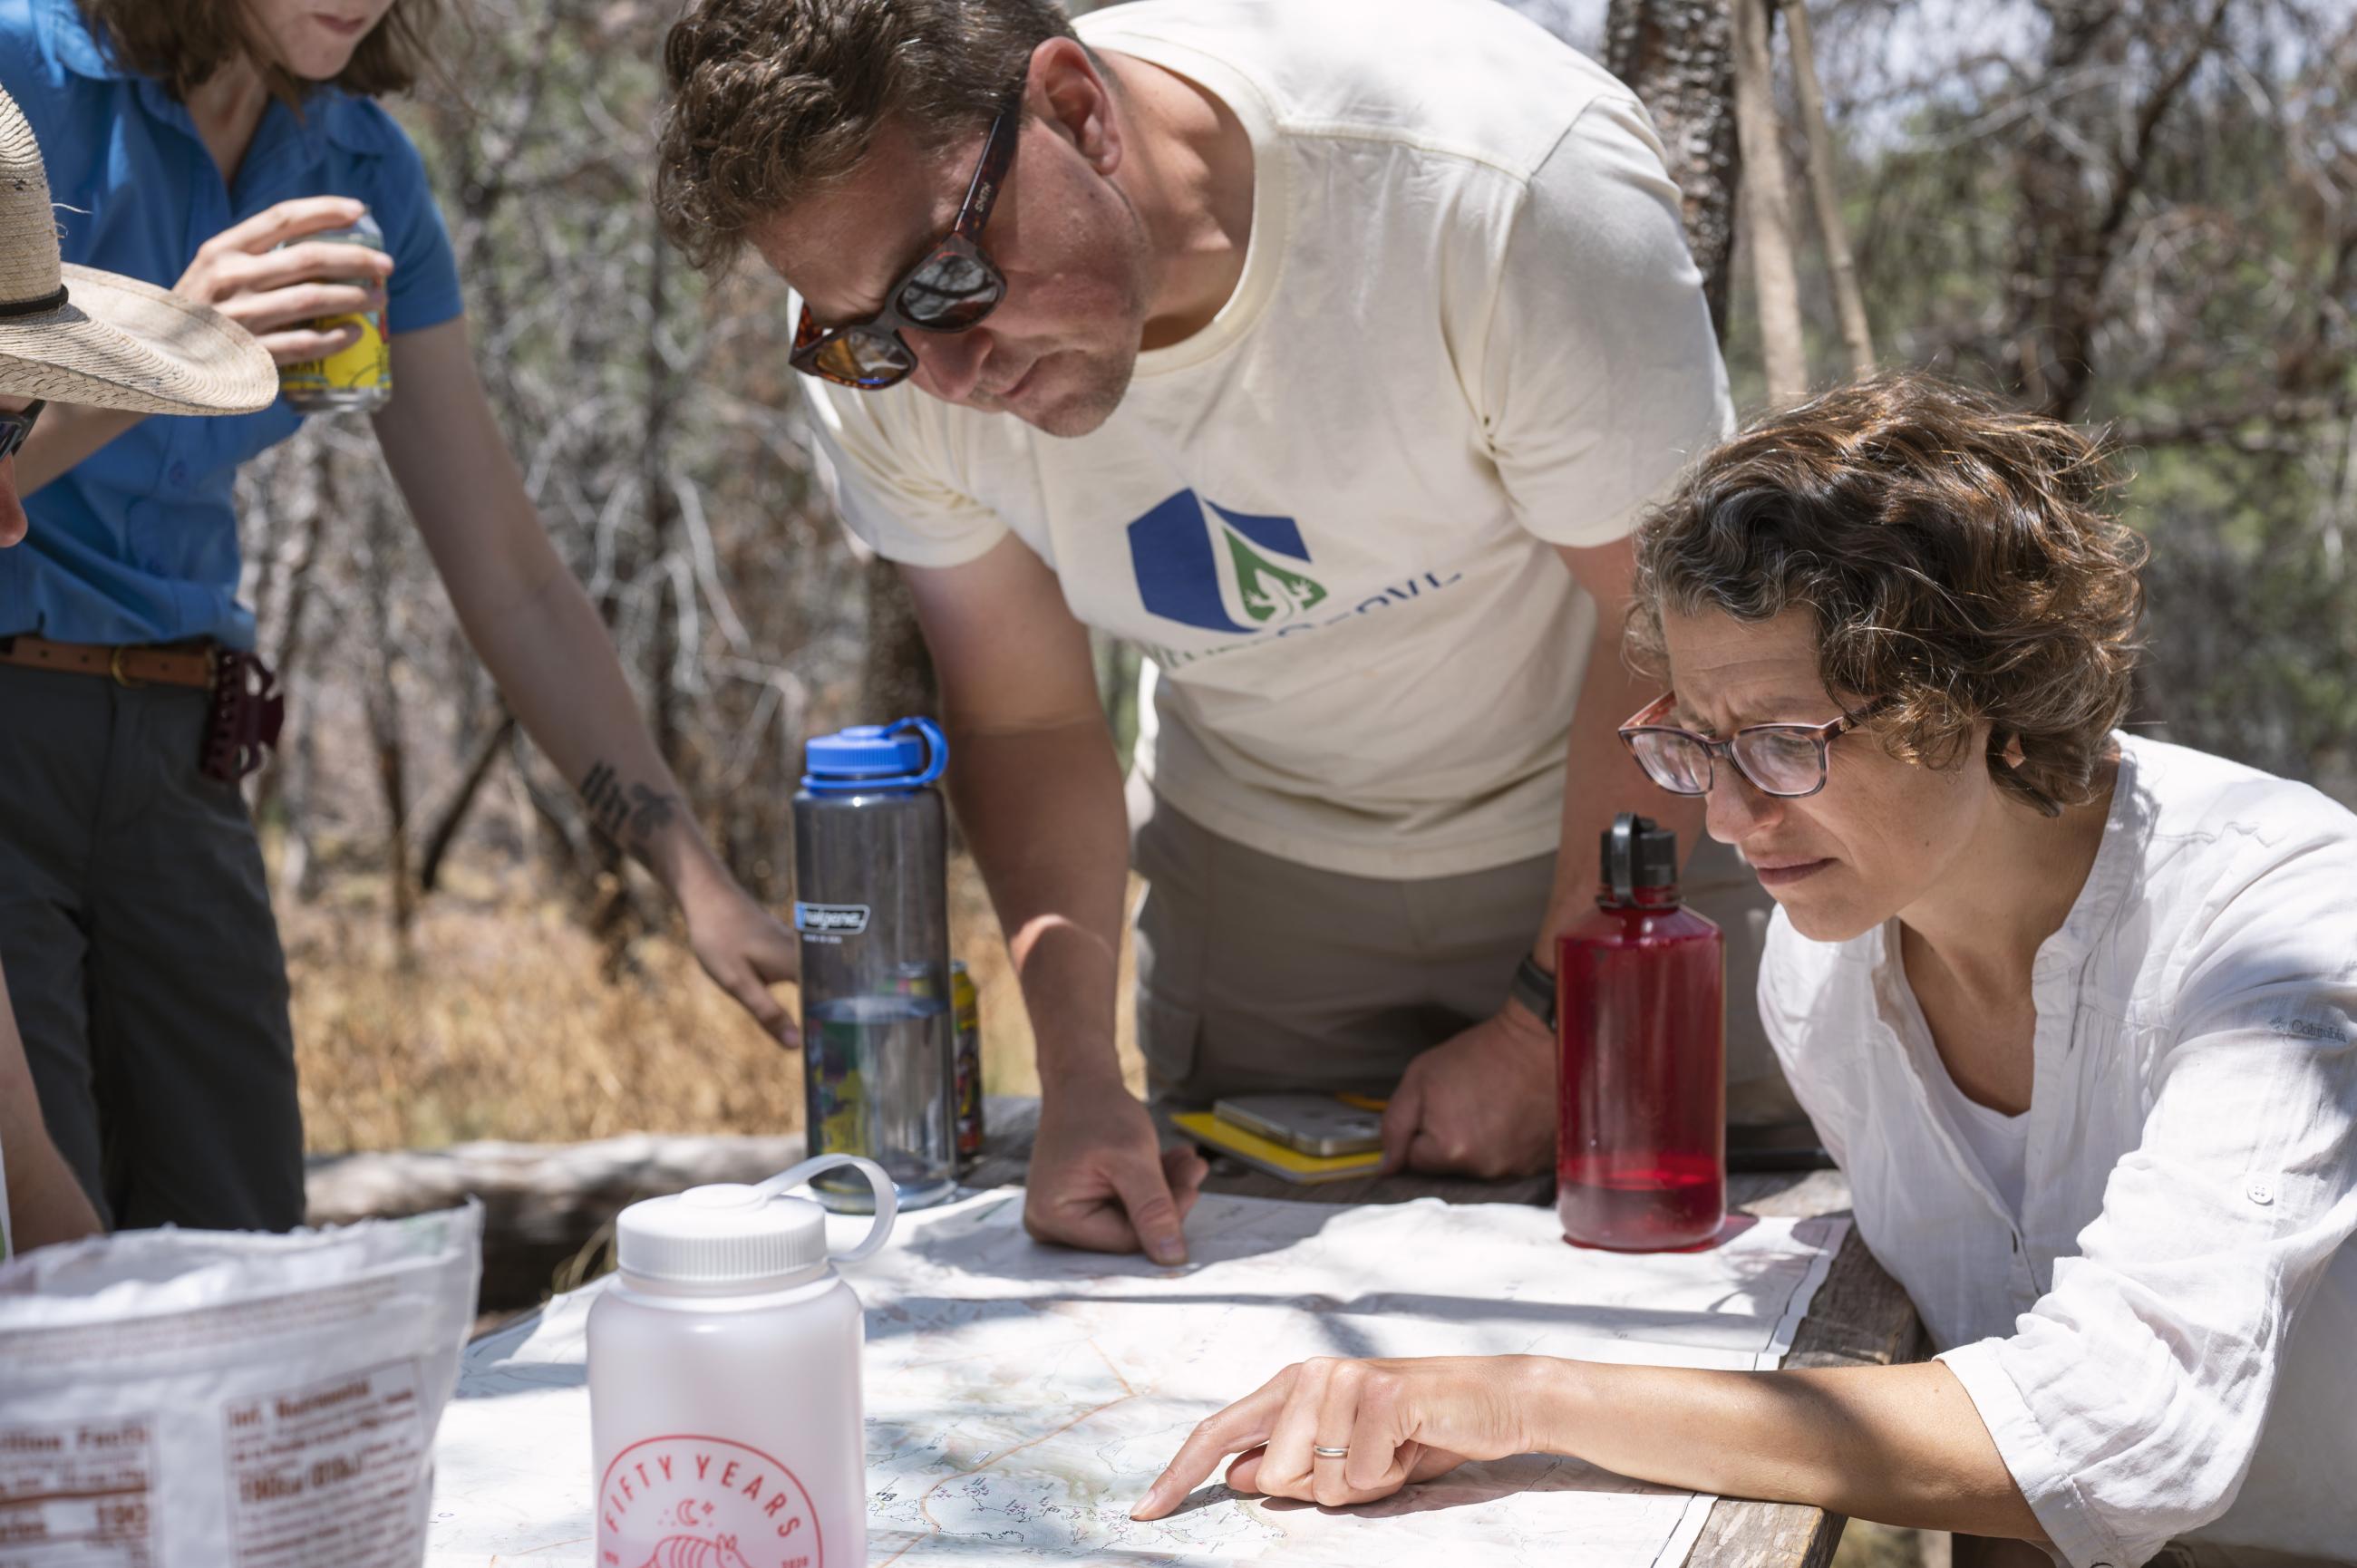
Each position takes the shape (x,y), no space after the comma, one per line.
(498,1026)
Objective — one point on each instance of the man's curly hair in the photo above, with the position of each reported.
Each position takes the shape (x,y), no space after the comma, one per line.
(1961,559)
(772,99)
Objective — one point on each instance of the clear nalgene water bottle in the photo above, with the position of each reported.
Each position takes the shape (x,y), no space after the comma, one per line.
(1640,1162)
(871,901)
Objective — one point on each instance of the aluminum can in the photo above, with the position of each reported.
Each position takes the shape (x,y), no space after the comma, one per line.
(965,1006)
(357,379)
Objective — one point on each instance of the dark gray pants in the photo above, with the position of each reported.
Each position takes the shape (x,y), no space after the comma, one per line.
(143,958)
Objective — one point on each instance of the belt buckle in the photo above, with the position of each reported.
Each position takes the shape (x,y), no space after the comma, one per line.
(115,667)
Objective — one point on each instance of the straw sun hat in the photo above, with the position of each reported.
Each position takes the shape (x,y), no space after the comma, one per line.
(78,335)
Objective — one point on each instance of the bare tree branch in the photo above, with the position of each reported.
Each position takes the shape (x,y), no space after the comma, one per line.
(1768,206)
(1824,189)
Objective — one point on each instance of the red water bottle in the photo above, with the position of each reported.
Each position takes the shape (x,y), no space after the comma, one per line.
(1640,1156)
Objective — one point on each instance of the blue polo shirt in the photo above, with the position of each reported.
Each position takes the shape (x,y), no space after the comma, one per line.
(138,543)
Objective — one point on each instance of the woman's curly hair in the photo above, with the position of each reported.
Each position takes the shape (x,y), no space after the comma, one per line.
(772,99)
(1962,560)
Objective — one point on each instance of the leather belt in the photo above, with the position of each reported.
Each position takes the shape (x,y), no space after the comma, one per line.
(128,665)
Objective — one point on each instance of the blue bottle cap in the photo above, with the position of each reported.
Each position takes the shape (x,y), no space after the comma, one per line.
(876,758)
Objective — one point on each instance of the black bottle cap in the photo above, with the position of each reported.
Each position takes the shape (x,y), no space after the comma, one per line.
(1638,853)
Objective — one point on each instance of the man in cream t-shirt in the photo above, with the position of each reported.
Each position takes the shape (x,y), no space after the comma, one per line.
(1332,350)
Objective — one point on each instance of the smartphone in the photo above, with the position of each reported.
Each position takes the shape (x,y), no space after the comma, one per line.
(1310,1123)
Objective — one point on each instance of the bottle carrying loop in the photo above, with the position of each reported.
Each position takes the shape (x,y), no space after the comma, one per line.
(937,749)
(1622,866)
(877,760)
(888,1201)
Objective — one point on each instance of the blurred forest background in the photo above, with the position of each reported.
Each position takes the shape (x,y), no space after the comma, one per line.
(2136,212)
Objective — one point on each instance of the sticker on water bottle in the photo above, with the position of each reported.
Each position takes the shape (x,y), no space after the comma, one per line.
(704,1502)
(830,922)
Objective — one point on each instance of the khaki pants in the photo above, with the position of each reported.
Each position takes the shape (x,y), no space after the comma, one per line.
(1257,974)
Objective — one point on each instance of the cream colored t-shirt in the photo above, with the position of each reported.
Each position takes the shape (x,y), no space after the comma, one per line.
(1466,329)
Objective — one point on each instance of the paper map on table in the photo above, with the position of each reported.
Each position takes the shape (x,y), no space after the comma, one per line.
(1020,1398)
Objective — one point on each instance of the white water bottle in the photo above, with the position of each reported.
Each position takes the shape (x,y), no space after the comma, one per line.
(725,1407)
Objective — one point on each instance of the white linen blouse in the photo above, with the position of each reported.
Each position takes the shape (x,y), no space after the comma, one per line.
(2163,1340)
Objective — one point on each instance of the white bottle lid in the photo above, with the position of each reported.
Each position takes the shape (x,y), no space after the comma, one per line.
(733,1234)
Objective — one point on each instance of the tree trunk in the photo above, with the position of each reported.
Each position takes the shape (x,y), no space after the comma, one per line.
(384,703)
(287,655)
(897,678)
(2070,237)
(1677,55)
(1768,206)
(1849,304)
(662,516)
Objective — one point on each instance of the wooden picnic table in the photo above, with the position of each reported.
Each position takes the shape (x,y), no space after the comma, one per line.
(1858,1318)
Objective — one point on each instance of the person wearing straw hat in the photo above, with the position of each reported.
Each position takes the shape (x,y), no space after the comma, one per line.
(76,335)
(208,147)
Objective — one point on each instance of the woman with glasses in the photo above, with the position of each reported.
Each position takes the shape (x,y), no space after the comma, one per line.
(215,149)
(2076,1010)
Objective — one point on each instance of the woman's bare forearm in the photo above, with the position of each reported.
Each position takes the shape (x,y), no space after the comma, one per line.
(1899,1446)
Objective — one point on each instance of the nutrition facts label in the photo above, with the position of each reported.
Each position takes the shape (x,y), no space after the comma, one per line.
(76,1494)
(330,1472)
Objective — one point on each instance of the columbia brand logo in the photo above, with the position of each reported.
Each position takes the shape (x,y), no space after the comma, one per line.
(830,919)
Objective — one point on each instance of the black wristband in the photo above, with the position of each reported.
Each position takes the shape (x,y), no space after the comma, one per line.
(1535,988)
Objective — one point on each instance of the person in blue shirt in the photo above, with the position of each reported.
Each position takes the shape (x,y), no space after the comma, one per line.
(71,335)
(188,141)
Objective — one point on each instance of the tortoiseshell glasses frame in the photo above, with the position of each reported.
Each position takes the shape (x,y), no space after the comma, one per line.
(1788,761)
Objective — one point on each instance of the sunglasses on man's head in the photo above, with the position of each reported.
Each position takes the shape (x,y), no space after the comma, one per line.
(14,427)
(950,289)
(1785,761)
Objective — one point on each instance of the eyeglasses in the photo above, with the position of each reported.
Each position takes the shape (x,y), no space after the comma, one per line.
(14,427)
(1784,760)
(950,289)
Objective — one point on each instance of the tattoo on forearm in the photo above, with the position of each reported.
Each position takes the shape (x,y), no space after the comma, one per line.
(631,815)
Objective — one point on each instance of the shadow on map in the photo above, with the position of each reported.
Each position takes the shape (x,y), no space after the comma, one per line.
(988,1241)
(1614,1321)
(1341,1323)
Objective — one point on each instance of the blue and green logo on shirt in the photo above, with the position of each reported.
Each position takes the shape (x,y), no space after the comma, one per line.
(1179,548)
